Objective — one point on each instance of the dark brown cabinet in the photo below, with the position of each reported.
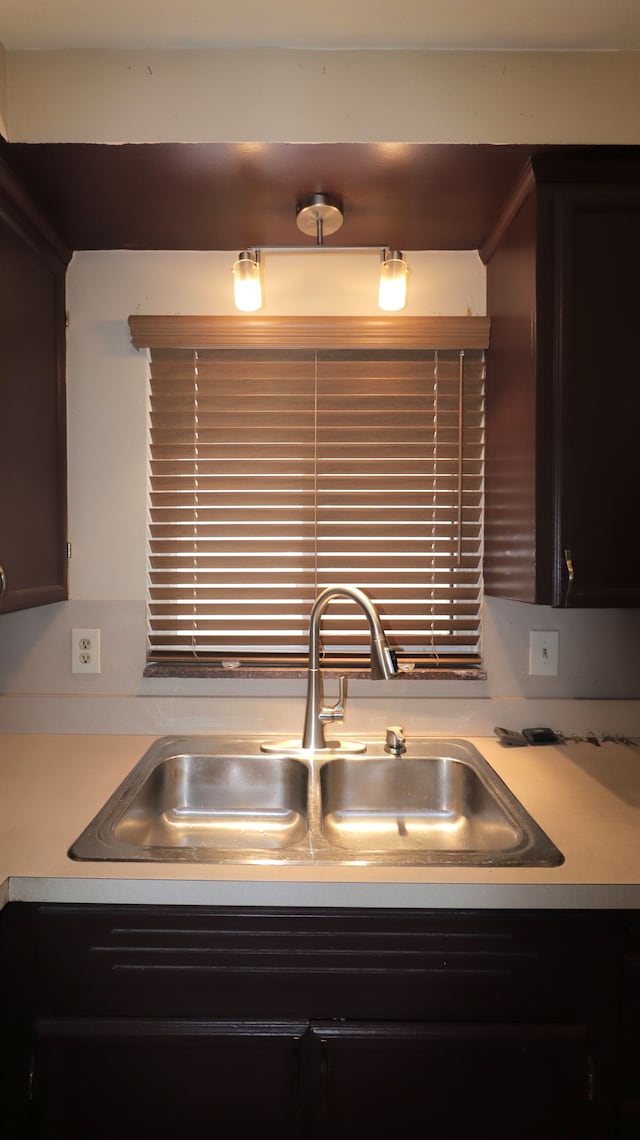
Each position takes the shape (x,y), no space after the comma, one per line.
(563,399)
(630,1036)
(32,398)
(452,1080)
(139,1077)
(306,1023)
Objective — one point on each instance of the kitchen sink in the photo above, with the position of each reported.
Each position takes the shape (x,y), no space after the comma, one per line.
(217,800)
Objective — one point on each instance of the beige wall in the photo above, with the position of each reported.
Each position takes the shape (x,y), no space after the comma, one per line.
(316,96)
(4,129)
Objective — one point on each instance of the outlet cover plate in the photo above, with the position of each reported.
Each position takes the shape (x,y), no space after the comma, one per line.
(85,650)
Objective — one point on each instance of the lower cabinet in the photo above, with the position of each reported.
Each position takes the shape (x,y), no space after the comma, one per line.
(138,1021)
(288,1079)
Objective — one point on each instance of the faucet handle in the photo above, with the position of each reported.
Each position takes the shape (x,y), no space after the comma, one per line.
(395,743)
(336,712)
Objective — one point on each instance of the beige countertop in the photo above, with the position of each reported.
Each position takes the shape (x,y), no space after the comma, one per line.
(586,798)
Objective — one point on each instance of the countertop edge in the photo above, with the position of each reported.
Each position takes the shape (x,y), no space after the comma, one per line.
(399,896)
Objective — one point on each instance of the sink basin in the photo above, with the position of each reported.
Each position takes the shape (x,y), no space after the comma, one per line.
(444,805)
(183,797)
(435,803)
(221,801)
(217,800)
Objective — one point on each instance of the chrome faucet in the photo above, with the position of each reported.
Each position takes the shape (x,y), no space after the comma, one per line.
(383,665)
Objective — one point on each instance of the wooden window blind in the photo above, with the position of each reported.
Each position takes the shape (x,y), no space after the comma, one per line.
(276,470)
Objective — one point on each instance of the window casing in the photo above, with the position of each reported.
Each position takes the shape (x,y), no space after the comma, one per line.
(279,466)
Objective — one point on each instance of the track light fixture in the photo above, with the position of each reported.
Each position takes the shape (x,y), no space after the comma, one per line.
(319,215)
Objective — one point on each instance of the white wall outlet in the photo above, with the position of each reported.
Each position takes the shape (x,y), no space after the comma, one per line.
(543,652)
(85,650)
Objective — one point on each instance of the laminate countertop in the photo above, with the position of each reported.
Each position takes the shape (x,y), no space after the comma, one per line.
(586,798)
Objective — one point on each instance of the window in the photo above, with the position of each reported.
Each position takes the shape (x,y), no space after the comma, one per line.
(287,456)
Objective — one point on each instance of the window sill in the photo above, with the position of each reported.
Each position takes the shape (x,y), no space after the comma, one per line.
(203,670)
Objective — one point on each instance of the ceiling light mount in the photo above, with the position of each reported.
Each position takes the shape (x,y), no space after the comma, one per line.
(319,215)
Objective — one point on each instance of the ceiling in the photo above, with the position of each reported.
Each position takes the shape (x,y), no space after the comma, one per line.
(532,25)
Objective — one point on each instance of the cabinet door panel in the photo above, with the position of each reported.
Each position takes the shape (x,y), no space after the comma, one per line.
(454,1081)
(106,1078)
(32,423)
(563,402)
(598,239)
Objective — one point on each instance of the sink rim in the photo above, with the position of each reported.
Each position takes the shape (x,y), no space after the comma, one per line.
(97,844)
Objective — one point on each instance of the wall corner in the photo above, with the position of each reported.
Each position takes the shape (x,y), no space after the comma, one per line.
(4,117)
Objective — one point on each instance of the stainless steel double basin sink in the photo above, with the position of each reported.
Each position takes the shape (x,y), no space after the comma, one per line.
(214,800)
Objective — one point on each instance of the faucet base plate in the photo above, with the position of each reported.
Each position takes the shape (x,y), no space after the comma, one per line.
(332,747)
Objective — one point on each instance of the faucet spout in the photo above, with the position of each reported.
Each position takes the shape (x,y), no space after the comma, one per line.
(383,663)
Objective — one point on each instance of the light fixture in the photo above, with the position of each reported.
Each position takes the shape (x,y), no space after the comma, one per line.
(247,289)
(392,291)
(320,215)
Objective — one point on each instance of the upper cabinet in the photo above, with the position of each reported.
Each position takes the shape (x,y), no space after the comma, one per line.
(563,385)
(32,401)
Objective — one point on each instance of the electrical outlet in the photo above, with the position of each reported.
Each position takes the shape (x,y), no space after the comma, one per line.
(85,650)
(543,652)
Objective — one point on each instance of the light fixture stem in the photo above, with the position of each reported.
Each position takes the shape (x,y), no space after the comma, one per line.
(314,248)
(319,230)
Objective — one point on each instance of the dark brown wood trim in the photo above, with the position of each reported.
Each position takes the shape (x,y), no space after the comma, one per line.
(519,194)
(62,505)
(31,597)
(20,212)
(308,332)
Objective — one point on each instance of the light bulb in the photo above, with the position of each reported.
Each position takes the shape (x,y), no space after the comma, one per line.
(247,290)
(392,292)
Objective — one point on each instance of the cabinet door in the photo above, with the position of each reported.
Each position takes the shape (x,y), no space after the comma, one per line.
(32,420)
(146,1077)
(377,1080)
(596,366)
(630,1024)
(563,400)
